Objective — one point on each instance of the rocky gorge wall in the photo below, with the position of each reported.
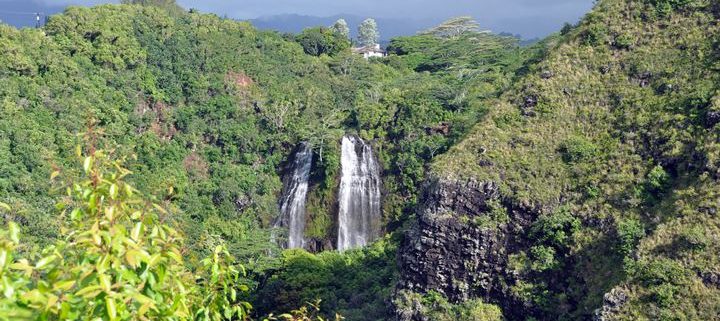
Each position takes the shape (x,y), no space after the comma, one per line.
(458,249)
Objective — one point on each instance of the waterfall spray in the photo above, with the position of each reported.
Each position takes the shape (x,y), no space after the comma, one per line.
(359,197)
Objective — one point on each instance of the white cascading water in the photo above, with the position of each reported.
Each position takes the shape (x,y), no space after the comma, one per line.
(359,198)
(292,202)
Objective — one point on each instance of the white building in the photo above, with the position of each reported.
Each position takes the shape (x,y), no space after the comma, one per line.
(370,51)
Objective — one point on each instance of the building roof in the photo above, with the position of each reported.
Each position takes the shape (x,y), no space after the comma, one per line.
(368,49)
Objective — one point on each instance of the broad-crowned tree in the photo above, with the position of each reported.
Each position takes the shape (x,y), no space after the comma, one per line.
(368,34)
(454,27)
(341,27)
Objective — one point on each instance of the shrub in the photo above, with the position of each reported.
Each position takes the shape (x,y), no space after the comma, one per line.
(566,28)
(476,310)
(595,34)
(555,229)
(660,271)
(434,306)
(577,149)
(118,259)
(543,258)
(629,231)
(666,7)
(664,294)
(624,41)
(694,238)
(657,179)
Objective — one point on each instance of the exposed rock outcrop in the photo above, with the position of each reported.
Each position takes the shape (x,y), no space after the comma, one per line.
(449,252)
(612,302)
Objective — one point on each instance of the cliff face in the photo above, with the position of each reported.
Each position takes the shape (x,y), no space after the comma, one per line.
(450,250)
(614,131)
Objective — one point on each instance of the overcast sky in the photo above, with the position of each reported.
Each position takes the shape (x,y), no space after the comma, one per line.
(530,18)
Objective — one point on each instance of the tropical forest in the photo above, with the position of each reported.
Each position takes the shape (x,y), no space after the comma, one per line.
(159,162)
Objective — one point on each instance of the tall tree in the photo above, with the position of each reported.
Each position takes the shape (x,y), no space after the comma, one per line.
(341,27)
(368,34)
(320,40)
(454,27)
(169,5)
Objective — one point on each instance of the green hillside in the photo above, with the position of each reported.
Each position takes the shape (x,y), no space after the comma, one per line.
(613,137)
(575,179)
(206,111)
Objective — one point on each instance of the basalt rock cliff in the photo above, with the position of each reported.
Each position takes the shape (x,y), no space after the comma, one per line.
(452,251)
(590,189)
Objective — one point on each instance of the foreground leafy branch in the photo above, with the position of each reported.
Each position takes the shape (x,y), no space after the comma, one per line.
(117,259)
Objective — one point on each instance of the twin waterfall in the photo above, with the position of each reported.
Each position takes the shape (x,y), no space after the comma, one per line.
(292,202)
(359,197)
(359,212)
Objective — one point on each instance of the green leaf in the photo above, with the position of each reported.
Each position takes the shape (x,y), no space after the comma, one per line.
(75,214)
(45,261)
(5,206)
(51,300)
(159,208)
(14,232)
(22,265)
(128,190)
(132,257)
(135,234)
(8,289)
(87,164)
(64,285)
(105,282)
(112,311)
(3,258)
(89,291)
(113,191)
(154,259)
(175,256)
(144,308)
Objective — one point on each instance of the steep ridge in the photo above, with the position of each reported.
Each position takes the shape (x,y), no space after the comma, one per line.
(590,189)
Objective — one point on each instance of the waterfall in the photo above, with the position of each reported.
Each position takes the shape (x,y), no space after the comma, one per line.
(292,201)
(359,197)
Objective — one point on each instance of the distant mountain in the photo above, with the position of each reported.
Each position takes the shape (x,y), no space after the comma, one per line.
(389,27)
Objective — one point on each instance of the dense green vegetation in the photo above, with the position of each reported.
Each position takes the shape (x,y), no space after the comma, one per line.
(609,129)
(613,135)
(436,307)
(118,259)
(355,284)
(212,108)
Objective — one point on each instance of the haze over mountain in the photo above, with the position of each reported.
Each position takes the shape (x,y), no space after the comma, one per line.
(389,27)
(531,19)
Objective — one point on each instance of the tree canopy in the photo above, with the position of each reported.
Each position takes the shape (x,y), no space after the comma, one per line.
(320,40)
(368,34)
(341,27)
(454,27)
(169,5)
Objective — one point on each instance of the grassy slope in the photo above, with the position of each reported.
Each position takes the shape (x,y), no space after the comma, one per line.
(622,131)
